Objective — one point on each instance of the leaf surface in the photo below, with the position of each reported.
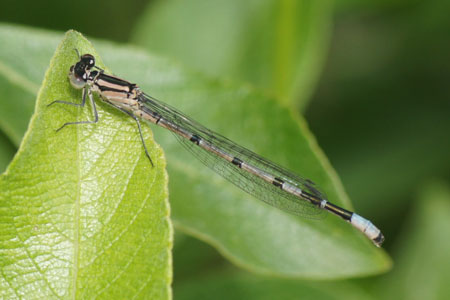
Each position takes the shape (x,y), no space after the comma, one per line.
(82,212)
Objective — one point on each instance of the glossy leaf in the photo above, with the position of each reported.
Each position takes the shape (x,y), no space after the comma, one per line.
(83,214)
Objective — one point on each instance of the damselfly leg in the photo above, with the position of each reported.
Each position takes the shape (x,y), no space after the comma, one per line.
(83,102)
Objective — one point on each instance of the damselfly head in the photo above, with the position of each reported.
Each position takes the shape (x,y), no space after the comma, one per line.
(79,73)
(87,61)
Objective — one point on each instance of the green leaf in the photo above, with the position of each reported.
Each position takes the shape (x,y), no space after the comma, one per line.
(422,265)
(83,214)
(22,66)
(248,232)
(277,45)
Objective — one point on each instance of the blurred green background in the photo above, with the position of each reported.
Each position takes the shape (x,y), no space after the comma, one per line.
(375,95)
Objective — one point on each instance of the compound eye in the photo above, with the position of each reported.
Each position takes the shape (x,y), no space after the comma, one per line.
(88,60)
(76,80)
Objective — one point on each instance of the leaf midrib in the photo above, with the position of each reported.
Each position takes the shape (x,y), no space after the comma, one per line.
(76,242)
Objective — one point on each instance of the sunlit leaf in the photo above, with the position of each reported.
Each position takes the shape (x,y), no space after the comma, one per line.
(83,214)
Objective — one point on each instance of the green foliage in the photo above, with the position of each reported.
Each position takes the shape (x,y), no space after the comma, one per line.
(74,221)
(22,68)
(277,45)
(380,112)
(250,233)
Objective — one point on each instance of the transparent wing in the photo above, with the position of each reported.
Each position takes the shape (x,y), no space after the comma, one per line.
(250,183)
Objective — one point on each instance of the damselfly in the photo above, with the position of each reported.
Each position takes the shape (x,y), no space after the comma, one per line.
(252,173)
